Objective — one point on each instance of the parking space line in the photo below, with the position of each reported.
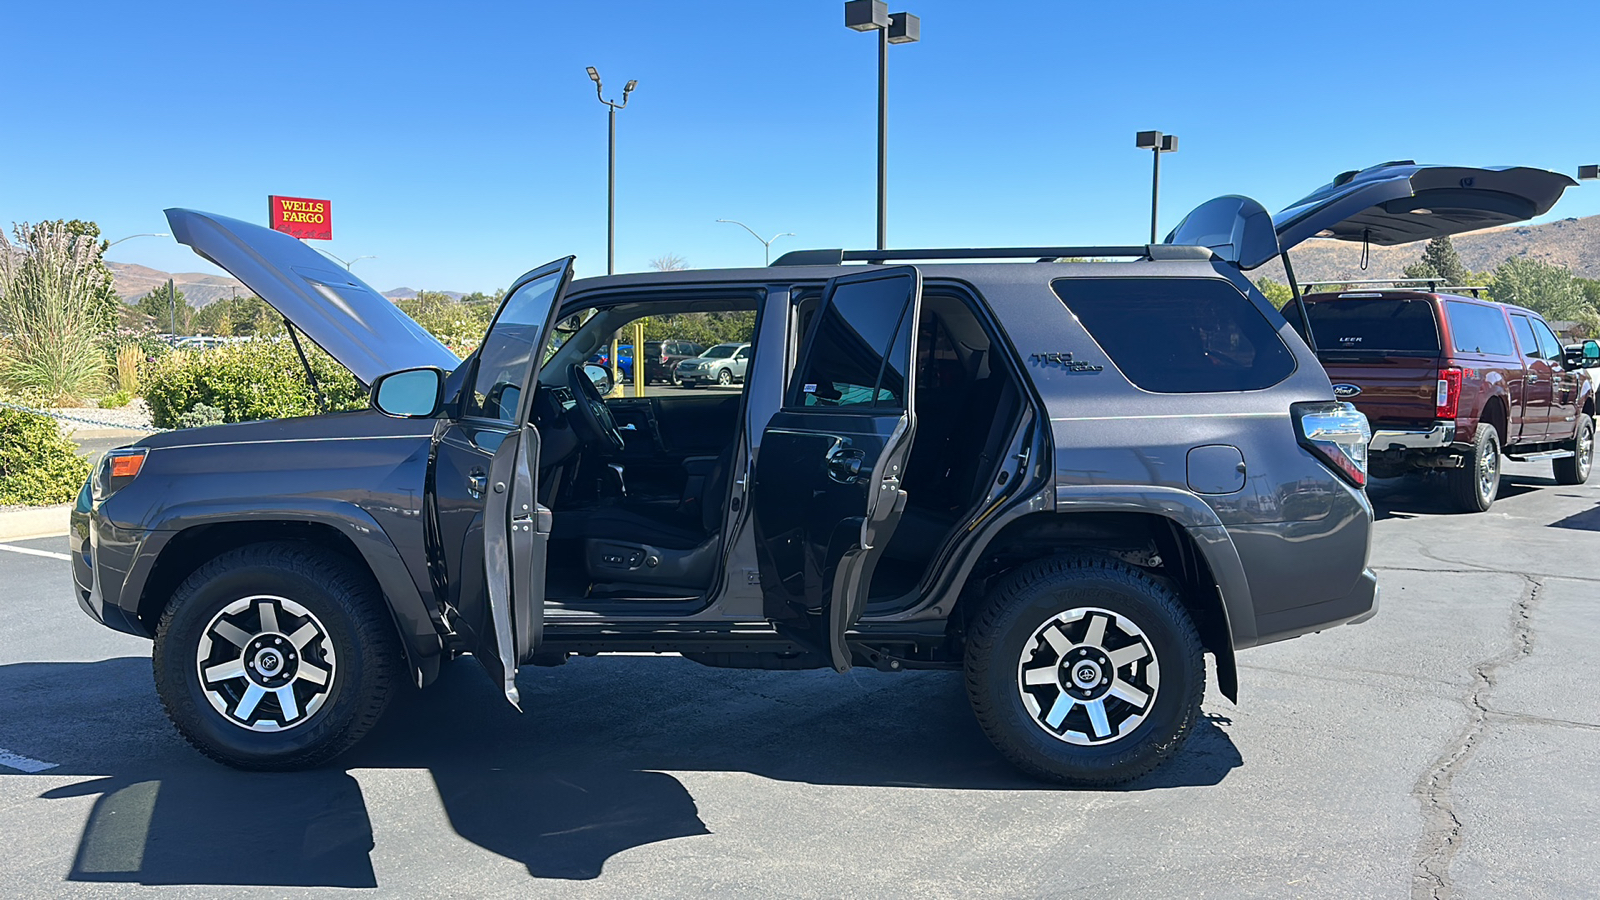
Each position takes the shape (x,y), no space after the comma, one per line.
(49,554)
(23,763)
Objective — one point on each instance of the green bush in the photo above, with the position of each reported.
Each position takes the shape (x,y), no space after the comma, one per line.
(38,467)
(115,401)
(259,379)
(202,416)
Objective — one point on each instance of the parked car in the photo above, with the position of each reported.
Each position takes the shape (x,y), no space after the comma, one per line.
(661,359)
(1067,479)
(723,364)
(201,342)
(602,357)
(1452,382)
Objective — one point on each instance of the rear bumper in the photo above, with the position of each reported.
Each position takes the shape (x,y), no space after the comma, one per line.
(1358,606)
(1442,434)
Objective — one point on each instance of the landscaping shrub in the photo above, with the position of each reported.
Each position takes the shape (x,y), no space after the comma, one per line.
(116,401)
(201,416)
(129,357)
(52,314)
(259,379)
(38,467)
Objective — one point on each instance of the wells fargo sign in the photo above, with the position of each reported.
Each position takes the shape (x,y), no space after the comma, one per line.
(301,217)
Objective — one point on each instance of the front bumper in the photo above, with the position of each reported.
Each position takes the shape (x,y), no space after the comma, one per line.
(103,558)
(1442,434)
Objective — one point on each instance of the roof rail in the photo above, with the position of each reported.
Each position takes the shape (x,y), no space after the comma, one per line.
(1043,254)
(1434,285)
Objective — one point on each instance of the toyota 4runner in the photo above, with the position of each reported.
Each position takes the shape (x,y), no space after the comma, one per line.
(1069,480)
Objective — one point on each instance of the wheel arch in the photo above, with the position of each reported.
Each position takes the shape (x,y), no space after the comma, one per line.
(365,547)
(1497,412)
(1198,561)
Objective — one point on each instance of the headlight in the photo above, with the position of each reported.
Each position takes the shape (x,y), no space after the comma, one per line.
(117,469)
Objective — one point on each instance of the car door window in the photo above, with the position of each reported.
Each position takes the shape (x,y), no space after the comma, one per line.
(1549,345)
(851,348)
(1526,337)
(503,362)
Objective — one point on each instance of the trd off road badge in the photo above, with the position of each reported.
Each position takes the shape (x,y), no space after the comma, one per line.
(1065,361)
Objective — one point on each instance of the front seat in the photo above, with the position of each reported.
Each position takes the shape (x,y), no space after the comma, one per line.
(651,546)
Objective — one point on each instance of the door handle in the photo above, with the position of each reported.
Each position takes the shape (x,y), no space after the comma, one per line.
(844,466)
(1533,378)
(478,482)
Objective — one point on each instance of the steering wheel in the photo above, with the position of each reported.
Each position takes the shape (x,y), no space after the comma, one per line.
(589,416)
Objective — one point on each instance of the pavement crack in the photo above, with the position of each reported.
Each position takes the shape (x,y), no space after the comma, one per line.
(1441,827)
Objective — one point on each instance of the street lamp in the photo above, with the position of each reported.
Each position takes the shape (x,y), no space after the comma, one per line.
(341,262)
(611,166)
(1586,173)
(1157,143)
(900,28)
(132,236)
(765,242)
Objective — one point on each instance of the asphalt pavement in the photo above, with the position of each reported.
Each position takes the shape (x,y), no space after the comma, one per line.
(1449,747)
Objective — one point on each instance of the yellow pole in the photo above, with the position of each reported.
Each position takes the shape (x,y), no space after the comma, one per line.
(616,365)
(638,358)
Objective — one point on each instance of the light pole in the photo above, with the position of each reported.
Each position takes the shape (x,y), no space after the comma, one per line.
(132,236)
(765,242)
(1588,173)
(1157,143)
(611,166)
(900,28)
(341,262)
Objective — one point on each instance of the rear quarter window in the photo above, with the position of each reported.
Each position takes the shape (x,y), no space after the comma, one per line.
(1479,329)
(1179,335)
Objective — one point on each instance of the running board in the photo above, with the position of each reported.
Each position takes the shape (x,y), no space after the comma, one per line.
(1547,454)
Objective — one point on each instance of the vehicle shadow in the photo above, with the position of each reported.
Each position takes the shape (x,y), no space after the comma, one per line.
(1426,494)
(579,777)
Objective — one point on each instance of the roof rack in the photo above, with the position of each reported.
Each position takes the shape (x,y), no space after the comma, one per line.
(1434,285)
(1042,254)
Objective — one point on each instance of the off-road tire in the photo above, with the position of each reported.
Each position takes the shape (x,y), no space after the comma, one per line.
(1476,483)
(347,603)
(1575,468)
(1002,633)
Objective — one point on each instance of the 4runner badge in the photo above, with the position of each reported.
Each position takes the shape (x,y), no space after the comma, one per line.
(1346,390)
(1065,361)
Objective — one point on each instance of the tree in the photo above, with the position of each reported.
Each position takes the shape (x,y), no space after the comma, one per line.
(1549,290)
(669,262)
(1439,260)
(158,306)
(1276,292)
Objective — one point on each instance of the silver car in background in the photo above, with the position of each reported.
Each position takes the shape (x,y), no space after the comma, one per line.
(722,364)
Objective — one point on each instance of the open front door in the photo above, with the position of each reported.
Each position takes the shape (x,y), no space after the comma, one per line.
(488,526)
(827,483)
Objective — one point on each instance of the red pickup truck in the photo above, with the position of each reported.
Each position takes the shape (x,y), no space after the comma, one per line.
(1451,382)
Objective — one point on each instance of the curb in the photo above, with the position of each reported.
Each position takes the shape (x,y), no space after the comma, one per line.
(44,521)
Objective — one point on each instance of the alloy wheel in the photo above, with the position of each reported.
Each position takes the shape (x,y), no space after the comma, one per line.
(1585,451)
(1088,676)
(1489,473)
(724,377)
(265,663)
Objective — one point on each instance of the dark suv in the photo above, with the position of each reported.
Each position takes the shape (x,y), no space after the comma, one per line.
(1068,480)
(1451,382)
(661,358)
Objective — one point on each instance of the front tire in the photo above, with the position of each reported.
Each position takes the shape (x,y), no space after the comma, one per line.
(1084,671)
(724,377)
(1575,468)
(275,657)
(1474,486)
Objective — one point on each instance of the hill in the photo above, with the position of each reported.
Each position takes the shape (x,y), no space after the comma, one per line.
(199,289)
(1574,243)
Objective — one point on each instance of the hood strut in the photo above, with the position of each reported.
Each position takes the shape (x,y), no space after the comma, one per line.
(311,377)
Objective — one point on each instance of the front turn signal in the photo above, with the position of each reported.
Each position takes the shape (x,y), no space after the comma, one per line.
(117,469)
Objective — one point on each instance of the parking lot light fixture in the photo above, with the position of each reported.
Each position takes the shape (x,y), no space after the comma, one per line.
(611,163)
(899,28)
(1586,173)
(132,236)
(765,242)
(1157,143)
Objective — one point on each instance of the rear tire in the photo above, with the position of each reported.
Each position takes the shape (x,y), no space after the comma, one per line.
(1575,469)
(1084,671)
(1474,486)
(276,656)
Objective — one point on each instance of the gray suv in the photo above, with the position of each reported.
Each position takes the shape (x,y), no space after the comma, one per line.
(1068,480)
(723,364)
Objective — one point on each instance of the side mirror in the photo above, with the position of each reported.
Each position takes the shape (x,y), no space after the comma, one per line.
(601,376)
(409,393)
(1591,353)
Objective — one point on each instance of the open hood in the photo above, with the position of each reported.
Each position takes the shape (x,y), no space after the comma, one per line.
(340,313)
(1401,202)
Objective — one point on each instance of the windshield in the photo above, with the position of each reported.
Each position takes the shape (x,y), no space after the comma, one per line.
(720,351)
(1390,325)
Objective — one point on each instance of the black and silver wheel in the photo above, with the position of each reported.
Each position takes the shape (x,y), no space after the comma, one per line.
(1476,483)
(1575,468)
(275,656)
(1084,671)
(724,377)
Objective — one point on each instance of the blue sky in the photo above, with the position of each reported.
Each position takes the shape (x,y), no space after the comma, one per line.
(462,143)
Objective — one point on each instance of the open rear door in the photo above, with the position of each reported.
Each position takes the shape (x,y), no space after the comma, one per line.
(487,516)
(826,491)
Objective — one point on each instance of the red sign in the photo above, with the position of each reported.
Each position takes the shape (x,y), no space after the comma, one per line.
(301,217)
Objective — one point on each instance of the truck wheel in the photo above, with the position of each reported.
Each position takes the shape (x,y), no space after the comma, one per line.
(1474,486)
(275,656)
(1575,468)
(1084,671)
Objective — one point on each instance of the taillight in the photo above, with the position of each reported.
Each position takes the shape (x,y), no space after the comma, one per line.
(117,469)
(1447,399)
(1337,434)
